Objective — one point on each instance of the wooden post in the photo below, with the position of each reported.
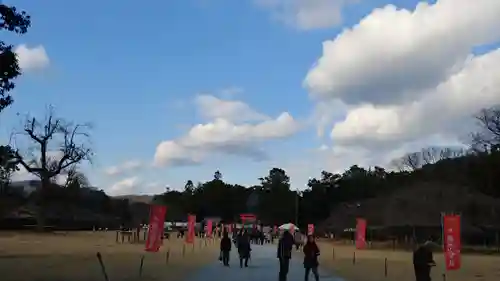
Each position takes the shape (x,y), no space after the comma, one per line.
(117,236)
(167,256)
(385,267)
(103,268)
(354,258)
(141,266)
(183,250)
(333,253)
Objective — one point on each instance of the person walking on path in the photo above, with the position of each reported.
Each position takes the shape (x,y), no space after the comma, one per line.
(423,261)
(311,253)
(243,242)
(285,246)
(225,249)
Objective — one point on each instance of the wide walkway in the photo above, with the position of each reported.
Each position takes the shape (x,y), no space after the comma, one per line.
(262,267)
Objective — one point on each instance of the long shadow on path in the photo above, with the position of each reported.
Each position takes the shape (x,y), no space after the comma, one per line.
(262,267)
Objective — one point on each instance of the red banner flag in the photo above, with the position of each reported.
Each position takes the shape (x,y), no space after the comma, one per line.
(156,227)
(209,228)
(310,229)
(190,229)
(451,242)
(360,233)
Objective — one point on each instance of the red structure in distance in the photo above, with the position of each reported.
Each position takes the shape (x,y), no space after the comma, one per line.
(250,218)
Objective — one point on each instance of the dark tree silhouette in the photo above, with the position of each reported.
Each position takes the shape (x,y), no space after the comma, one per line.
(18,22)
(56,145)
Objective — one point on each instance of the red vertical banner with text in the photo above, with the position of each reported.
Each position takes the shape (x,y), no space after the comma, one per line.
(310,229)
(451,241)
(360,233)
(190,229)
(156,227)
(209,228)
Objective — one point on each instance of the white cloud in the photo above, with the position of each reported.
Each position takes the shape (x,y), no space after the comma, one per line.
(405,80)
(306,14)
(125,187)
(457,99)
(134,185)
(35,58)
(212,107)
(124,167)
(225,134)
(393,54)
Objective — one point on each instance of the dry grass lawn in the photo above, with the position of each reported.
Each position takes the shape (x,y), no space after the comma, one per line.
(369,265)
(72,257)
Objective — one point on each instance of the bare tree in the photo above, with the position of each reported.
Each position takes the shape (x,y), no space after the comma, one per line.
(53,147)
(76,179)
(429,155)
(411,161)
(433,154)
(488,137)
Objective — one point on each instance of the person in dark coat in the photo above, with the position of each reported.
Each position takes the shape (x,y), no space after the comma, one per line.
(244,248)
(225,249)
(285,246)
(311,253)
(423,261)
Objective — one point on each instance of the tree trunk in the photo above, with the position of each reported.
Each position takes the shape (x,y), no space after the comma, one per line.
(41,202)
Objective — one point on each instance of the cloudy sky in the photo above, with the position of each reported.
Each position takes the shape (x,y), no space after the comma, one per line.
(178,89)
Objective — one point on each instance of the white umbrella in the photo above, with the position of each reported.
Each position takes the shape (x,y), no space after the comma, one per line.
(288,226)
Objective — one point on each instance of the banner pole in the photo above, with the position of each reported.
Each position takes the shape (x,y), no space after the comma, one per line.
(442,242)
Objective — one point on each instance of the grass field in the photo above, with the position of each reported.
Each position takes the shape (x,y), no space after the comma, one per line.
(72,257)
(370,265)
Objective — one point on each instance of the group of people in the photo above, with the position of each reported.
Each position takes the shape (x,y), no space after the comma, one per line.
(284,253)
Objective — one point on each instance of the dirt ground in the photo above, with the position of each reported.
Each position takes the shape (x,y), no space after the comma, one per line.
(370,265)
(72,257)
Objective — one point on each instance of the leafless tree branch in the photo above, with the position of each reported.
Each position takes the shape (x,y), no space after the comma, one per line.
(58,144)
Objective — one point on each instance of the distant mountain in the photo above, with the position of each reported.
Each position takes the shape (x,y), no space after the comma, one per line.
(136,198)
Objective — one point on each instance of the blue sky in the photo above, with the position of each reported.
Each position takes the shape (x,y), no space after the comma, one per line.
(134,69)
